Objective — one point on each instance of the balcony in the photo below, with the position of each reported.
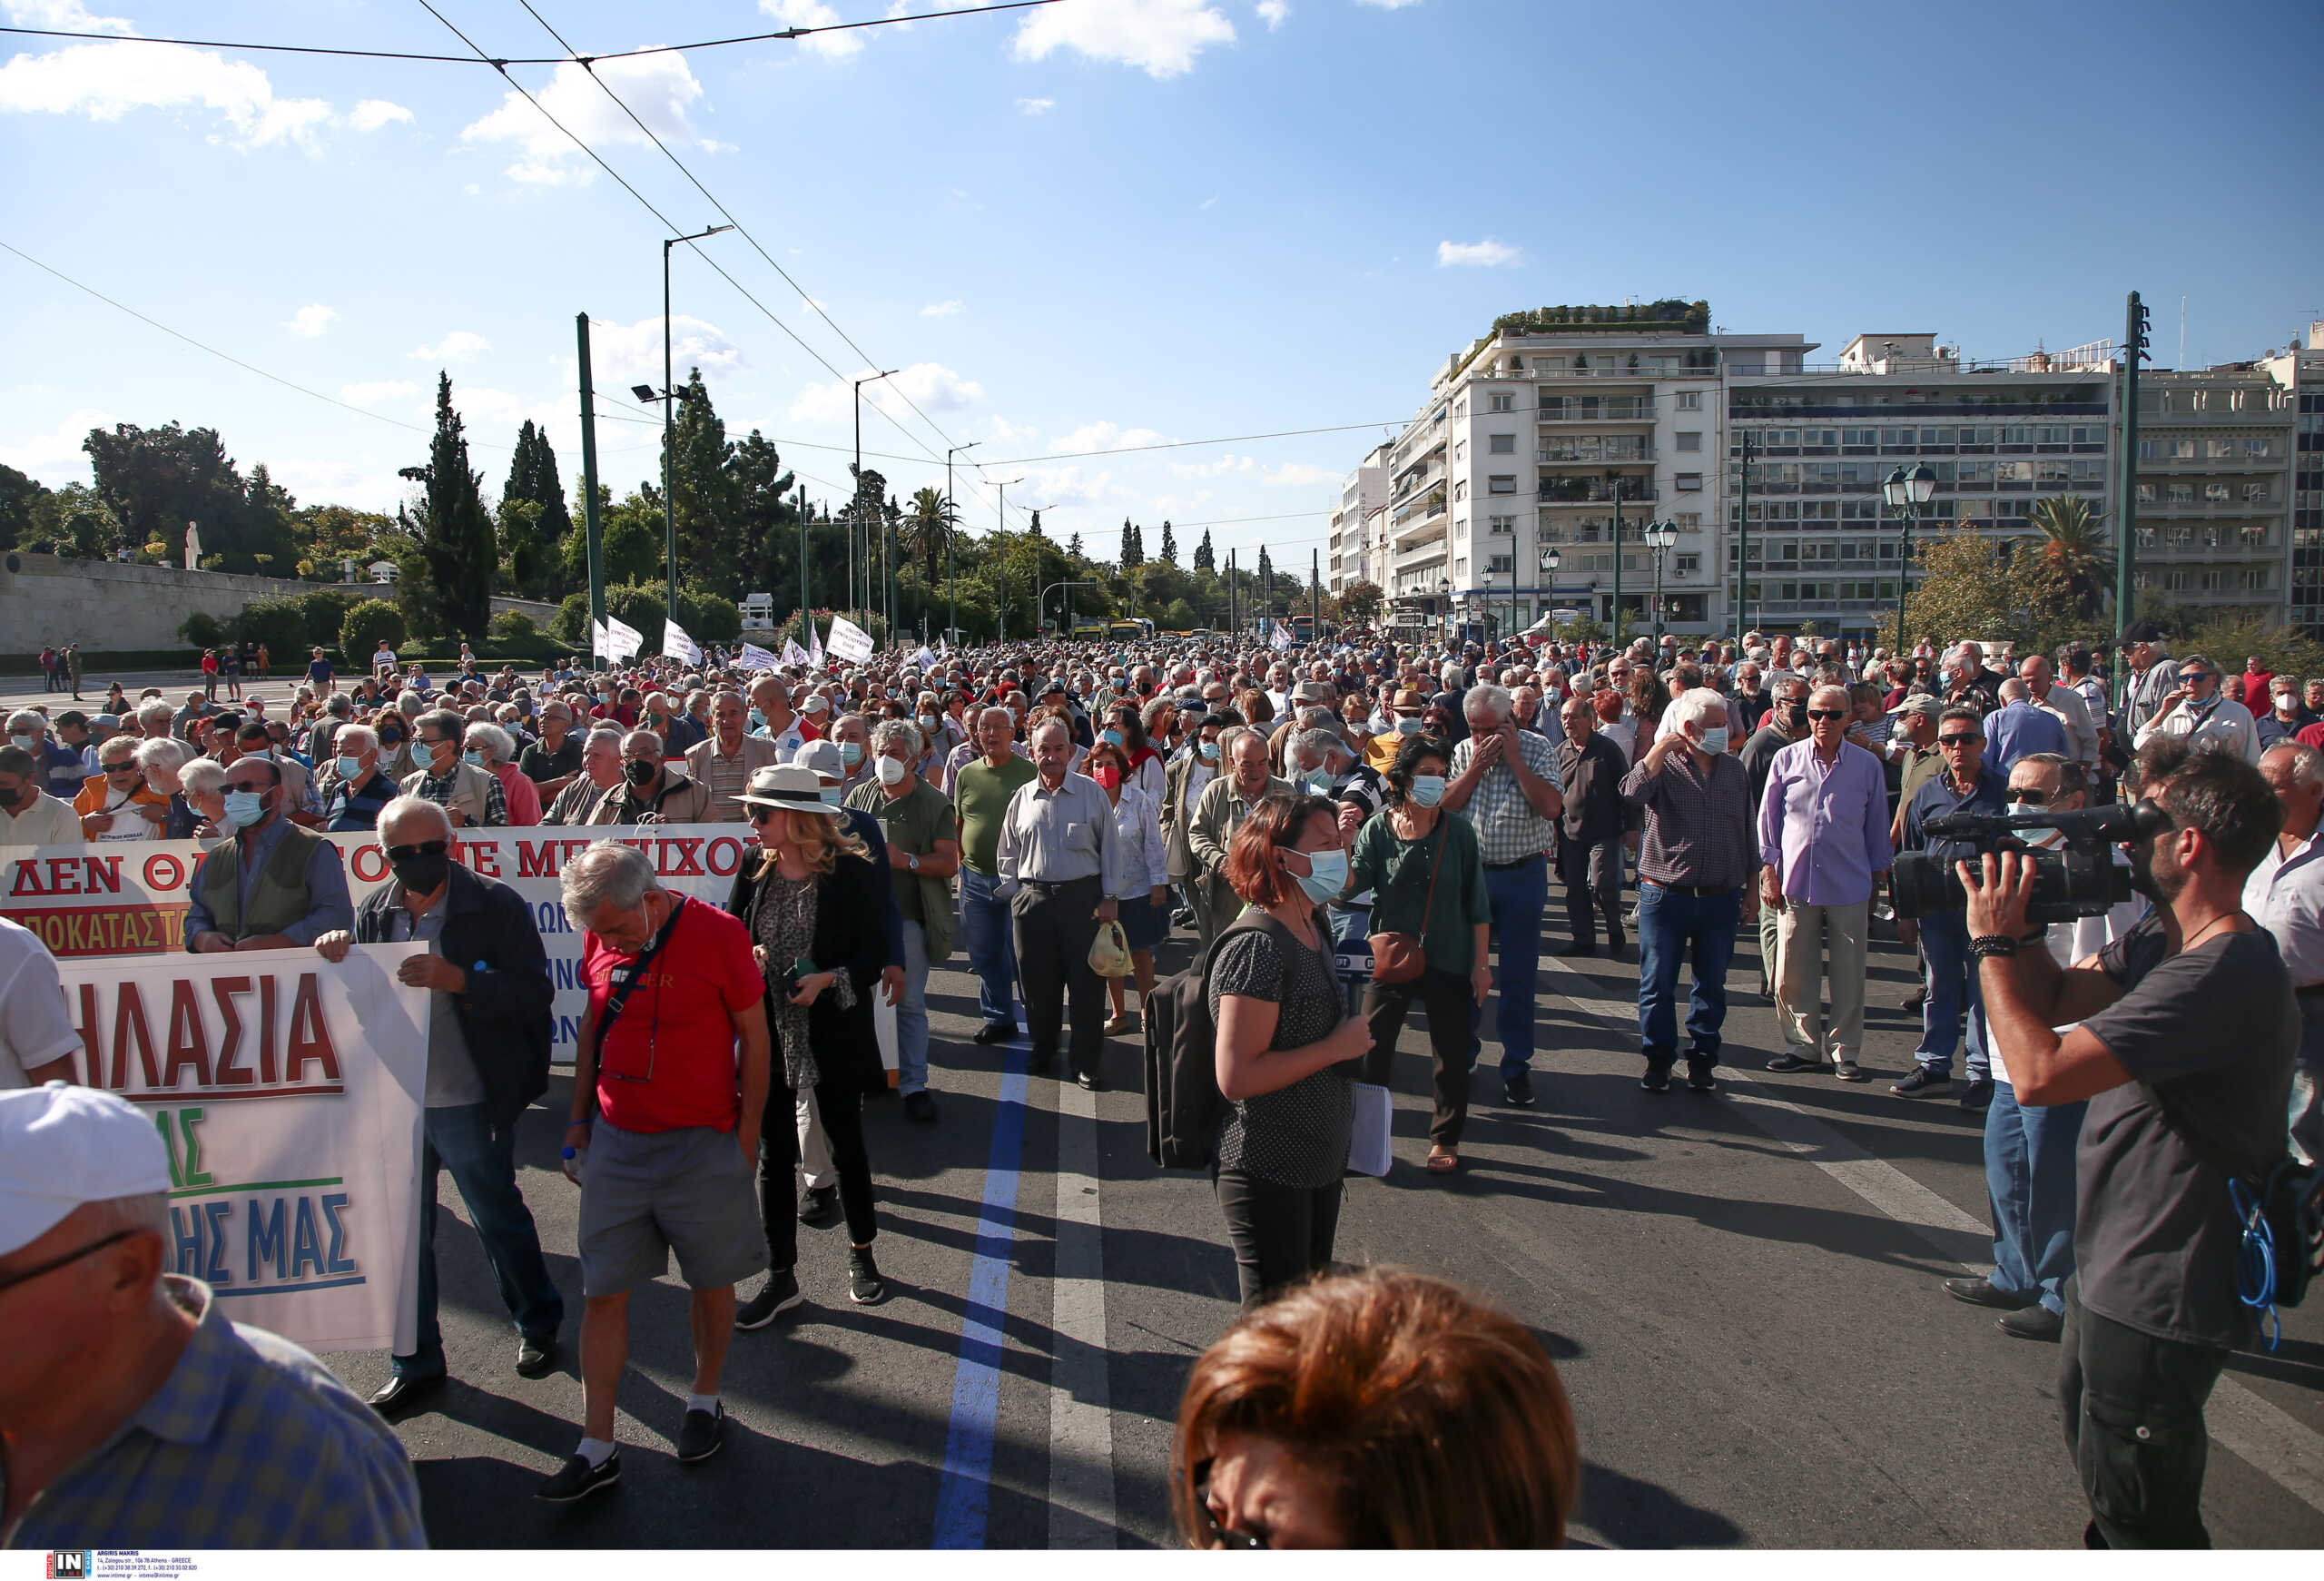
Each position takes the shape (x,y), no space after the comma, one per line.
(1594,409)
(1593,491)
(2209,509)
(1583,450)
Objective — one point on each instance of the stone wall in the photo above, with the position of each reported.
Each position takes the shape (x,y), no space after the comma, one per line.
(110,608)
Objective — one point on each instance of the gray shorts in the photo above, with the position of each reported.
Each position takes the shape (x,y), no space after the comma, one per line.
(646,1194)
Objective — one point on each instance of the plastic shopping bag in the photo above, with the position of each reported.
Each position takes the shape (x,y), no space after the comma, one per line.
(1109,952)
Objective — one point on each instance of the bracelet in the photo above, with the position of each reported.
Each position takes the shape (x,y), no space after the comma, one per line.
(1987,944)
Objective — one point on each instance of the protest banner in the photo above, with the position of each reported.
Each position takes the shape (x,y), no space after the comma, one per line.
(289,1093)
(849,642)
(754,658)
(132,898)
(678,645)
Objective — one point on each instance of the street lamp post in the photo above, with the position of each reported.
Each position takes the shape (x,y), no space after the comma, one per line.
(1615,624)
(856,472)
(1042,603)
(1444,608)
(669,434)
(1001,537)
(1659,537)
(952,530)
(1906,494)
(1550,559)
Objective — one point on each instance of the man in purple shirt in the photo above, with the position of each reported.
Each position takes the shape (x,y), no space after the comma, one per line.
(1824,841)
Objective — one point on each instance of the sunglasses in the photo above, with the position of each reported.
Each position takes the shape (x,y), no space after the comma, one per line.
(2033,798)
(1222,1536)
(761,816)
(427,848)
(129,767)
(1960,740)
(1827,713)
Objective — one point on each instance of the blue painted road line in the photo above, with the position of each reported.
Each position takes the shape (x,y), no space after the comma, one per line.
(963,1496)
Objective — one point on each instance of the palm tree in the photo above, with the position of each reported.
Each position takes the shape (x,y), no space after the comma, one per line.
(2074,549)
(927,527)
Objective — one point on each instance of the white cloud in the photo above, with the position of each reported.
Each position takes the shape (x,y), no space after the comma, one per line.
(1161,37)
(813,305)
(814,13)
(1388,5)
(1104,436)
(1485,254)
(105,83)
(1300,475)
(487,411)
(55,457)
(1219,468)
(1271,13)
(1035,106)
(459,346)
(931,387)
(67,16)
(658,87)
(621,355)
(310,321)
(940,310)
(370,114)
(373,392)
(1005,432)
(1206,203)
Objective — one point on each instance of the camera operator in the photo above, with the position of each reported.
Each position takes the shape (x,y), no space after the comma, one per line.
(2030,1147)
(2188,1027)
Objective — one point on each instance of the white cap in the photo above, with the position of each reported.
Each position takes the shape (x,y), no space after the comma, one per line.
(61,1146)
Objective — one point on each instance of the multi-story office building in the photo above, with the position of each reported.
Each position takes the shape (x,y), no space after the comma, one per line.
(1364,495)
(2298,372)
(1535,437)
(2215,487)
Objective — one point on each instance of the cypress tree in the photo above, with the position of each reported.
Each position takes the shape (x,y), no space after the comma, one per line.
(457,546)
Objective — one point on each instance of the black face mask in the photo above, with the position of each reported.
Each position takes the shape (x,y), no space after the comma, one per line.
(423,874)
(1796,715)
(639,772)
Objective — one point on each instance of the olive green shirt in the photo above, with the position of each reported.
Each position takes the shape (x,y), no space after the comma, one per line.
(980,796)
(1397,872)
(913,824)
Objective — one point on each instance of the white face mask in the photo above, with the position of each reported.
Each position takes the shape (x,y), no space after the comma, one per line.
(891,771)
(2038,835)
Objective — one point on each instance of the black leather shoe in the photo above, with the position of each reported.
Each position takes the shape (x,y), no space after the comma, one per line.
(576,1479)
(2034,1322)
(1040,1064)
(1980,1292)
(535,1357)
(1086,1081)
(1577,948)
(994,1033)
(404,1392)
(817,1204)
(1786,1063)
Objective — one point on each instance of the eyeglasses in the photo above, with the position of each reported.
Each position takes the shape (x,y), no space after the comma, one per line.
(54,1263)
(1827,713)
(426,848)
(1962,740)
(1222,1536)
(2031,797)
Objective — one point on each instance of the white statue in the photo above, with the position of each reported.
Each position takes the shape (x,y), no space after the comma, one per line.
(193,545)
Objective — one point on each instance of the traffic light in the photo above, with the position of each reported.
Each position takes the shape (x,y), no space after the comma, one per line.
(2135,326)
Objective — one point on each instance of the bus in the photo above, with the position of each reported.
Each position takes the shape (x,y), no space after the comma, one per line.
(1132,630)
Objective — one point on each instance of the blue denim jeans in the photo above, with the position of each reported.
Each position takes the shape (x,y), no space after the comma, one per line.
(1517,897)
(993,948)
(2030,1182)
(912,1015)
(1702,928)
(1955,995)
(482,1159)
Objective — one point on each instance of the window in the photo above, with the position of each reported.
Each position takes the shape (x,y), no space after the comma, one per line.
(1688,482)
(1500,524)
(2216,493)
(1461,488)
(1688,521)
(1497,563)
(1501,483)
(2260,449)
(1686,565)
(2258,493)
(2182,449)
(2222,449)
(2182,494)
(1691,442)
(1503,402)
(1690,400)
(1461,452)
(1501,444)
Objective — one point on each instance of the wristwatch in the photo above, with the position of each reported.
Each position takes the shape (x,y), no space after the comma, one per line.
(912,861)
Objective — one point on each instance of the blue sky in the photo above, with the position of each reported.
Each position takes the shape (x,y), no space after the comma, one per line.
(1103,222)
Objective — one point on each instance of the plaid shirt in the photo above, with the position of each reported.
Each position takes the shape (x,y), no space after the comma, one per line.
(1508,828)
(445,791)
(250,1443)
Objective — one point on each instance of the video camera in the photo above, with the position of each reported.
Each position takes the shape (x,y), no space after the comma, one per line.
(2081,879)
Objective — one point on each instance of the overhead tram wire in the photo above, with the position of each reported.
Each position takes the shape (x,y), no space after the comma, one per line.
(740,230)
(228,357)
(502,61)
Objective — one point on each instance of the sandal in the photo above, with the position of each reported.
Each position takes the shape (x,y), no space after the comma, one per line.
(1443,1160)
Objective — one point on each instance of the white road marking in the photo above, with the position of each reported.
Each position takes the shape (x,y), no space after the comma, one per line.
(2268,1439)
(1081,1423)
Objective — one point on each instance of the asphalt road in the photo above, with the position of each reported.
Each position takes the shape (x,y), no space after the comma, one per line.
(1740,1291)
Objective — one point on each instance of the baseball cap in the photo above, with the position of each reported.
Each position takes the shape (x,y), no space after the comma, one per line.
(62,1145)
(1923,704)
(823,756)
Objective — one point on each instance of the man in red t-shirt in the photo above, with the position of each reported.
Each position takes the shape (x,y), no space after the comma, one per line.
(672,1060)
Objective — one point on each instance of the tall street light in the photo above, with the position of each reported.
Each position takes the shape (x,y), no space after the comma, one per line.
(1659,536)
(1906,493)
(669,435)
(952,530)
(1001,537)
(857,473)
(1550,560)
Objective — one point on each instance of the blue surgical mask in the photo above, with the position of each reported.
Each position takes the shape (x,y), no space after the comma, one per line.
(758,720)
(1319,778)
(349,768)
(473,759)
(1428,789)
(851,753)
(245,807)
(2038,835)
(1714,739)
(1208,749)
(832,795)
(1410,726)
(1326,875)
(1111,737)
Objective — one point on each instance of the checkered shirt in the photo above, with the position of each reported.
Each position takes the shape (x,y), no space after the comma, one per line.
(250,1443)
(1508,828)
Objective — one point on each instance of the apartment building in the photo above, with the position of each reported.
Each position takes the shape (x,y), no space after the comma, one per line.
(2214,487)
(1533,438)
(1356,521)
(2298,372)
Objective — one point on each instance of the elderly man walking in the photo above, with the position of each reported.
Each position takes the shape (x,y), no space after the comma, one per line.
(669,1081)
(1696,860)
(1225,802)
(488,1034)
(1506,780)
(1591,766)
(1059,860)
(981,793)
(1824,845)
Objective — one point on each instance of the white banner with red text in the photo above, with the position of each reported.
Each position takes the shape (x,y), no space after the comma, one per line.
(289,1093)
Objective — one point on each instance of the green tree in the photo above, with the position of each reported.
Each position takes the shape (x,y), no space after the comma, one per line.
(1133,544)
(1169,543)
(1206,559)
(367,625)
(76,521)
(456,551)
(631,539)
(767,527)
(1361,601)
(18,494)
(532,475)
(1963,591)
(927,527)
(155,480)
(2075,551)
(705,491)
(1073,547)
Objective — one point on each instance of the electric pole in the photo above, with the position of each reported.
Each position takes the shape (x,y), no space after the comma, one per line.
(2127,508)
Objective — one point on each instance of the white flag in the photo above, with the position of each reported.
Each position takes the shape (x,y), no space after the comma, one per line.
(1282,638)
(792,654)
(924,659)
(622,639)
(814,646)
(755,658)
(599,644)
(677,644)
(851,644)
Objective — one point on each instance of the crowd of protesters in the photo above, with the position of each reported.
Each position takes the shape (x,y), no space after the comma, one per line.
(1281,808)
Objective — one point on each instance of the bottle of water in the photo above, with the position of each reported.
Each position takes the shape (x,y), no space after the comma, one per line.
(574,1163)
